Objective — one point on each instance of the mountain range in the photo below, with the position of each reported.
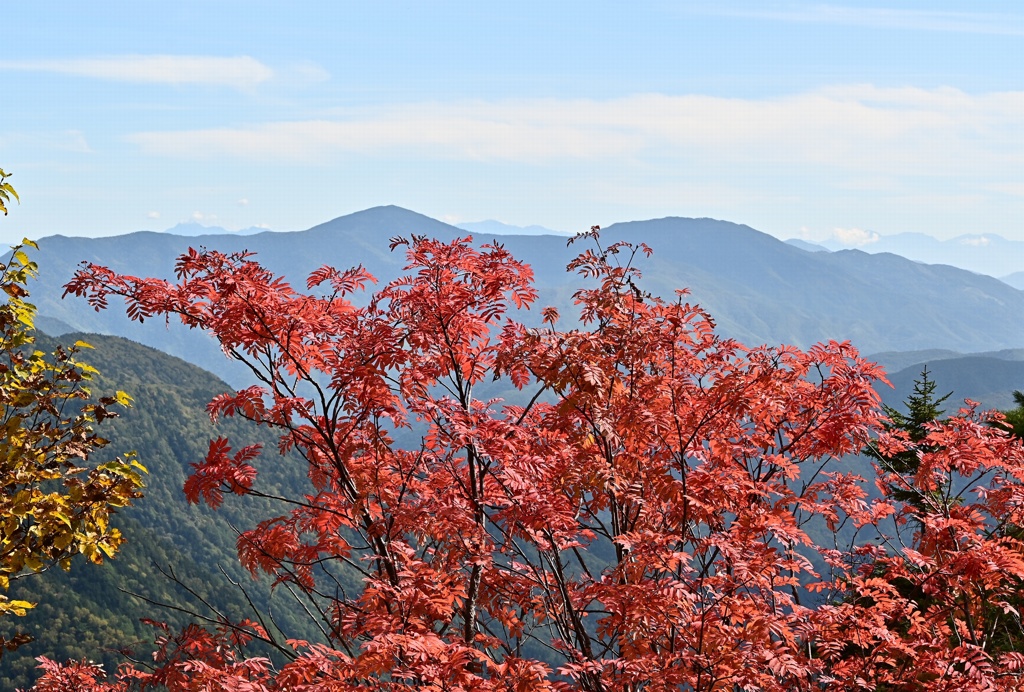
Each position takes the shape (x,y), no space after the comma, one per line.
(758,289)
(194,229)
(491,226)
(987,253)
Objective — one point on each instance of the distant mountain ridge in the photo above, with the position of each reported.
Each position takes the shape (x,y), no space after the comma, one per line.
(988,377)
(987,253)
(194,228)
(492,226)
(988,380)
(758,289)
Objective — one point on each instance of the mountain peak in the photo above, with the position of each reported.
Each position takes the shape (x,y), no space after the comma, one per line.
(386,221)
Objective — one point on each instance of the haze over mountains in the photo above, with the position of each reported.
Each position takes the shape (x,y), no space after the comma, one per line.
(492,226)
(194,228)
(985,253)
(759,289)
(988,253)
(489,226)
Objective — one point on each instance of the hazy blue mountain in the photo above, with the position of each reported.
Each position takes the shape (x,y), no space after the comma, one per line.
(51,326)
(986,254)
(763,290)
(987,380)
(988,377)
(1015,279)
(805,245)
(758,289)
(194,228)
(894,361)
(497,227)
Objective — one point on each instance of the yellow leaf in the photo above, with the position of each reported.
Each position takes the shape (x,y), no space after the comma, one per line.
(85,367)
(16,607)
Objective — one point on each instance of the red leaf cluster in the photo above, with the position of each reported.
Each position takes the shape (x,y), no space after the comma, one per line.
(640,518)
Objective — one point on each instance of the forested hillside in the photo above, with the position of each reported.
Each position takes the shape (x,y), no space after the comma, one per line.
(89,612)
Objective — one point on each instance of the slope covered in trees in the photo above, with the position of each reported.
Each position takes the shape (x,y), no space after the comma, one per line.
(86,613)
(58,486)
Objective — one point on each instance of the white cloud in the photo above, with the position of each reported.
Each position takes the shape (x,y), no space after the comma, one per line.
(200,216)
(75,141)
(447,132)
(244,202)
(885,18)
(855,237)
(153,215)
(241,71)
(975,241)
(307,72)
(72,141)
(1014,189)
(860,130)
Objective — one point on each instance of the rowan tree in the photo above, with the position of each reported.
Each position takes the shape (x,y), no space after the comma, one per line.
(638,520)
(936,605)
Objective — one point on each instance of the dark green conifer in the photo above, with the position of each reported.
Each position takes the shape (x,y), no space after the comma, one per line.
(922,407)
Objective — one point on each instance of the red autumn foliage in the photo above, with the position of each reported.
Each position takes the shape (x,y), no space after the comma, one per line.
(639,520)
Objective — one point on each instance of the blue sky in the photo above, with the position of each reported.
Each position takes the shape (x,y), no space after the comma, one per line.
(800,119)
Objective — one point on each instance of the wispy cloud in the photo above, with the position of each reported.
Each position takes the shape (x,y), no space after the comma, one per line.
(240,72)
(883,18)
(855,237)
(70,141)
(1015,189)
(859,130)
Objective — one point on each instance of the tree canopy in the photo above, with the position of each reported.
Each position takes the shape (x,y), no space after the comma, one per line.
(55,500)
(633,512)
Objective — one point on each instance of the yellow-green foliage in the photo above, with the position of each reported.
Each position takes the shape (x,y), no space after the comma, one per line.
(56,500)
(6,192)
